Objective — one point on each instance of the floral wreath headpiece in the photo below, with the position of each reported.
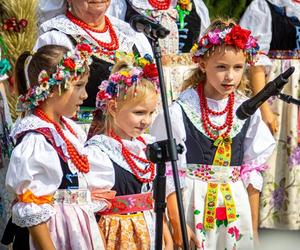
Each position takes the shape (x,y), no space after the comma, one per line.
(143,68)
(71,65)
(235,36)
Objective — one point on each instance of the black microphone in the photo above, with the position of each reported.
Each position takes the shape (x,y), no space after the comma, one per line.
(150,28)
(272,88)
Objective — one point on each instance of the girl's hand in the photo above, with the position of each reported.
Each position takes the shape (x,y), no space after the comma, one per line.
(269,118)
(177,236)
(168,241)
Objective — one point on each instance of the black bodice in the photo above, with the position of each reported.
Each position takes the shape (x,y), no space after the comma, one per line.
(284,29)
(201,149)
(125,182)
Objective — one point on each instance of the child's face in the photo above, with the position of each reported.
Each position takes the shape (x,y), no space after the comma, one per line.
(224,70)
(132,120)
(68,103)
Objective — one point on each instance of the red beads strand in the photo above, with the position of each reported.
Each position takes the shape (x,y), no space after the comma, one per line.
(206,111)
(111,46)
(80,161)
(128,156)
(160,4)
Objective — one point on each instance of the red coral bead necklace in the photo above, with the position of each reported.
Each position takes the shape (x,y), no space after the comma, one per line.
(206,111)
(129,157)
(110,46)
(160,4)
(80,161)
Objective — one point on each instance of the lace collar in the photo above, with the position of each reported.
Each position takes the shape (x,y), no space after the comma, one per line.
(113,149)
(32,122)
(189,101)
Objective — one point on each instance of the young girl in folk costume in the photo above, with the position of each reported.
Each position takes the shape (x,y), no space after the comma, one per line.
(223,156)
(49,171)
(126,103)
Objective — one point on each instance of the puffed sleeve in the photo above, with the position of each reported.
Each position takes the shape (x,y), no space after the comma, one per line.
(258,19)
(158,130)
(101,177)
(53,37)
(34,174)
(258,147)
(203,13)
(117,8)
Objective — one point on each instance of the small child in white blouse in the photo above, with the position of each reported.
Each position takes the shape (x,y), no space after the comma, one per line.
(49,172)
(224,156)
(125,105)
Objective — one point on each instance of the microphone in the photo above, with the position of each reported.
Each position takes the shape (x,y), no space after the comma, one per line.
(272,88)
(150,28)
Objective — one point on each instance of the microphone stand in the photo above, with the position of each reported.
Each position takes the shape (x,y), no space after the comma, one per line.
(288,99)
(160,153)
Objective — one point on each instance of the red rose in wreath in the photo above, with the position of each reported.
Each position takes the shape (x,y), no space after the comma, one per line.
(69,63)
(150,71)
(238,37)
(84,47)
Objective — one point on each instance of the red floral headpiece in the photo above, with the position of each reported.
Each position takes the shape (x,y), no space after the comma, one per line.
(235,36)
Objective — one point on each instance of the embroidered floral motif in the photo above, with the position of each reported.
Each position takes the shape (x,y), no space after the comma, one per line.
(221,217)
(130,204)
(217,174)
(235,232)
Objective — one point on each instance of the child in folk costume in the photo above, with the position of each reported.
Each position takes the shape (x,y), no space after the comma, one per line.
(126,103)
(224,156)
(48,171)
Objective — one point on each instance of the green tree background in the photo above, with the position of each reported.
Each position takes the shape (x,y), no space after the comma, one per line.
(226,8)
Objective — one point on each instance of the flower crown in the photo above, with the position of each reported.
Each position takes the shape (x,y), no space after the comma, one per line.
(144,67)
(235,36)
(71,65)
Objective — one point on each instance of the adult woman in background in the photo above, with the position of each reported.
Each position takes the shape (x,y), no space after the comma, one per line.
(85,21)
(276,25)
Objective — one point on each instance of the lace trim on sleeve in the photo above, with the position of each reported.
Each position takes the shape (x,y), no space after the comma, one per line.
(30,214)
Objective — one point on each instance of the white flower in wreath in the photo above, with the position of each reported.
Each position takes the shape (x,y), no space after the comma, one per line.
(38,91)
(44,86)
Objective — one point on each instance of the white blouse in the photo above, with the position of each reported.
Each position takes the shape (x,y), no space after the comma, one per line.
(102,149)
(118,9)
(258,145)
(54,31)
(35,166)
(258,19)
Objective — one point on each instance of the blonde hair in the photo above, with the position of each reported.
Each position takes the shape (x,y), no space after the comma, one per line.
(132,96)
(196,75)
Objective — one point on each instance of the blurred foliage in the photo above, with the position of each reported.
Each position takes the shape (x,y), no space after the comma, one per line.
(226,8)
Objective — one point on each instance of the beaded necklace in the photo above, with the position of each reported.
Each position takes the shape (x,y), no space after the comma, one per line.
(109,47)
(130,157)
(206,111)
(160,4)
(80,161)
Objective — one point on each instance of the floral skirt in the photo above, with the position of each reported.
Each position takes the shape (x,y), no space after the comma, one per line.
(231,236)
(125,232)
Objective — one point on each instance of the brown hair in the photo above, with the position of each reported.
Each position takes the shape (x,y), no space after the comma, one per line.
(45,58)
(196,75)
(104,122)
